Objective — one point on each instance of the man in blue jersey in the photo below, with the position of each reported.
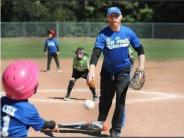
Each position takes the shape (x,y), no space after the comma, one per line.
(51,49)
(20,82)
(113,41)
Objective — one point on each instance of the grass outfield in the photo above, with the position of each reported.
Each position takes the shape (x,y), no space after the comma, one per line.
(155,49)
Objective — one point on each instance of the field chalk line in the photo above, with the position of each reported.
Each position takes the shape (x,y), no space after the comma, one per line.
(158,96)
(154,96)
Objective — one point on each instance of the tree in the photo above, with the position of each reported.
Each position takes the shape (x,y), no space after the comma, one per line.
(85,10)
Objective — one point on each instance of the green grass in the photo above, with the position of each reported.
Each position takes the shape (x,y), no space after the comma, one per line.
(33,47)
(161,49)
(155,49)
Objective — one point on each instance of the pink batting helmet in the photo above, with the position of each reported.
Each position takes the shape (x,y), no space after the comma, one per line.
(20,80)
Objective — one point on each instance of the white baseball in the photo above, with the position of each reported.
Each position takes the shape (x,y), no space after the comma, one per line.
(89,104)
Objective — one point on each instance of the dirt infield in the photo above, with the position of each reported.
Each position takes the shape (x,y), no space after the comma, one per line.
(156,110)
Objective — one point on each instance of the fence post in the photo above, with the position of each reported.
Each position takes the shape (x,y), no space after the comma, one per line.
(152,30)
(23,29)
(89,29)
(57,29)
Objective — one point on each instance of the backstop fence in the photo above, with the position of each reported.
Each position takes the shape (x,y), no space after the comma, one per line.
(89,29)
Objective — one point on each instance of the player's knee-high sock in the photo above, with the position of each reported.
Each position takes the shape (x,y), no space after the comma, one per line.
(70,87)
(57,61)
(93,90)
(49,59)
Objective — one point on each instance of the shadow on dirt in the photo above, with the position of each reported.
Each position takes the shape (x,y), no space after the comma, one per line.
(62,98)
(43,70)
(95,134)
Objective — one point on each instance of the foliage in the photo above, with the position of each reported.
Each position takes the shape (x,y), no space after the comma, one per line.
(85,10)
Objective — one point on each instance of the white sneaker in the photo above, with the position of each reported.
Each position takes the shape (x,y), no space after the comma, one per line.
(47,71)
(58,70)
(67,99)
(95,98)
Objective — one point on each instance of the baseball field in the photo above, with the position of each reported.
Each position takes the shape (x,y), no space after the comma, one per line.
(154,111)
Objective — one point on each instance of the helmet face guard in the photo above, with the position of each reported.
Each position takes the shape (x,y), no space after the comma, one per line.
(80,53)
(20,80)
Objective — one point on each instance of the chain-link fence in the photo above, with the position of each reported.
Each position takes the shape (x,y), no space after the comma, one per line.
(89,29)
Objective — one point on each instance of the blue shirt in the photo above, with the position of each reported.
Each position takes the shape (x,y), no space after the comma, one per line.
(115,47)
(51,45)
(17,117)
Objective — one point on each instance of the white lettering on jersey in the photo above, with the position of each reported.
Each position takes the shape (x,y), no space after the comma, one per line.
(51,43)
(9,110)
(117,42)
(6,124)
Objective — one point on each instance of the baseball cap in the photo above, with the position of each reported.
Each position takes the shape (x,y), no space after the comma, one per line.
(113,10)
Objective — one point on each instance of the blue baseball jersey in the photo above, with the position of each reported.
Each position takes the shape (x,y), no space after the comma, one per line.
(51,45)
(17,117)
(115,47)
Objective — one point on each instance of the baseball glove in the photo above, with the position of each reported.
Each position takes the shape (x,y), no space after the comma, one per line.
(138,79)
(91,83)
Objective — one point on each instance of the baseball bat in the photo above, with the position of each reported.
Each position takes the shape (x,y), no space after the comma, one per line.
(93,126)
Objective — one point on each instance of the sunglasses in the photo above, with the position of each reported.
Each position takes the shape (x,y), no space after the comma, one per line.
(114,15)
